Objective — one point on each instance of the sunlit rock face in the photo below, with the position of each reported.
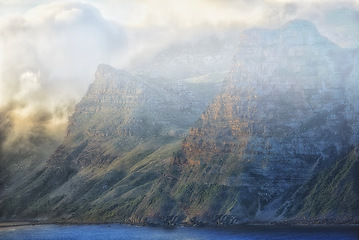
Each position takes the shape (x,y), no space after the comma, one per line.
(287,110)
(121,110)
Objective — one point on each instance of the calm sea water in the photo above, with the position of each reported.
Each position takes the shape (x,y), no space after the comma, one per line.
(116,231)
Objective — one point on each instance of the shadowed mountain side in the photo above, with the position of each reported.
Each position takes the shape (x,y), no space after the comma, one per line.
(285,112)
(22,159)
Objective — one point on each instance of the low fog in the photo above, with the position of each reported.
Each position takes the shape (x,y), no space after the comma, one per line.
(49,50)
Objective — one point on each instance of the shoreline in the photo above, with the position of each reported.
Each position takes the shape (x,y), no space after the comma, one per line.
(265,225)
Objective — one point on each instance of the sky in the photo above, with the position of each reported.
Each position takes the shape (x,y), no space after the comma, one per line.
(49,50)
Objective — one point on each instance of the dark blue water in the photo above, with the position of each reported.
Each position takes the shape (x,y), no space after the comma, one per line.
(116,231)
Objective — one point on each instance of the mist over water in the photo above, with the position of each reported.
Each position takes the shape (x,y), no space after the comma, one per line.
(115,231)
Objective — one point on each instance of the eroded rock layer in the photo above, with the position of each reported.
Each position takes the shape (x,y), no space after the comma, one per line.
(286,111)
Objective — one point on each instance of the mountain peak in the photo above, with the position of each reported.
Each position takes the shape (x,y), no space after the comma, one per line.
(101,68)
(300,23)
(294,33)
(280,118)
(106,73)
(302,32)
(105,68)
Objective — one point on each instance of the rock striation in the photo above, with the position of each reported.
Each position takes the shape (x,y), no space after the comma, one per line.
(121,110)
(286,111)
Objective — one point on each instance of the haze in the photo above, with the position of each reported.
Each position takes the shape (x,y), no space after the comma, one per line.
(49,50)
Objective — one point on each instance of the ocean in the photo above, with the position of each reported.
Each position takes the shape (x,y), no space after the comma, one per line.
(118,231)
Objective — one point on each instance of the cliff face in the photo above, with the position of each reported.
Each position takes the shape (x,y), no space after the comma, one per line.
(287,110)
(121,111)
(120,139)
(331,195)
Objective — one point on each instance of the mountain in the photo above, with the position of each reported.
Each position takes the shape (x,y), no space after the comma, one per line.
(271,145)
(121,111)
(284,106)
(120,136)
(286,112)
(175,66)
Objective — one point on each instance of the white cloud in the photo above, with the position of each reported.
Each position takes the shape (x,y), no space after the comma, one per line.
(68,16)
(64,42)
(29,84)
(48,57)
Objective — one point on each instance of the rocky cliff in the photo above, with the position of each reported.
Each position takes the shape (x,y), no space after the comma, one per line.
(121,111)
(330,196)
(120,138)
(286,112)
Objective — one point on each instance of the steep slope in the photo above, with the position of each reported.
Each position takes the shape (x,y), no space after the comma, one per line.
(121,111)
(193,68)
(21,158)
(331,196)
(119,140)
(283,115)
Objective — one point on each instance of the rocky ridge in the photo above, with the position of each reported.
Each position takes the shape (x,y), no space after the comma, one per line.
(285,112)
(124,110)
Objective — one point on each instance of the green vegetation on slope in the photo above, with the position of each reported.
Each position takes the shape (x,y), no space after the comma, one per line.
(333,194)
